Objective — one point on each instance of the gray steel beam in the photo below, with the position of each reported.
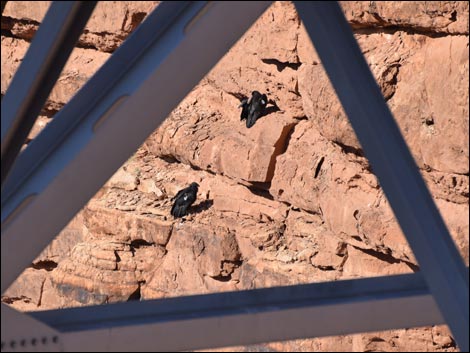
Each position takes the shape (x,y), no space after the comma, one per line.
(37,74)
(420,220)
(119,98)
(110,117)
(22,333)
(248,317)
(114,73)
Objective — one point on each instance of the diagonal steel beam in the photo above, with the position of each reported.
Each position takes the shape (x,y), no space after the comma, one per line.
(113,72)
(414,208)
(248,317)
(109,119)
(37,74)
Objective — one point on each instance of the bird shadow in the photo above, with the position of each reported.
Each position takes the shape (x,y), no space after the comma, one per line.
(201,207)
(240,96)
(269,110)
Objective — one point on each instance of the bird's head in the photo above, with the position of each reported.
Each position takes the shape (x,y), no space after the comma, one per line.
(194,185)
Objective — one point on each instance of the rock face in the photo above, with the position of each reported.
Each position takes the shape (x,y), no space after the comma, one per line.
(211,139)
(110,24)
(427,17)
(293,199)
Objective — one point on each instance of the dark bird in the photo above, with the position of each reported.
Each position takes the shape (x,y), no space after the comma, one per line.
(183,200)
(254,108)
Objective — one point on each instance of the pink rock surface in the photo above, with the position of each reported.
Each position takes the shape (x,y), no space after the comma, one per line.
(291,200)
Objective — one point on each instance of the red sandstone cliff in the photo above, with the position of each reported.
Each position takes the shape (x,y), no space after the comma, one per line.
(291,200)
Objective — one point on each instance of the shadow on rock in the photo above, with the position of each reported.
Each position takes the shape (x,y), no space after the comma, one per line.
(201,207)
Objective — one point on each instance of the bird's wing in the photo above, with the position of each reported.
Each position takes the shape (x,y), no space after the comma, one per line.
(244,114)
(178,194)
(183,200)
(245,108)
(173,208)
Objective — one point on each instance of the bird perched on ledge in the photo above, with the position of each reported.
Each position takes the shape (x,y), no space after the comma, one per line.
(254,108)
(183,200)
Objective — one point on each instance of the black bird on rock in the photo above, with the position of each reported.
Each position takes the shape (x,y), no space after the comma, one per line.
(183,200)
(254,108)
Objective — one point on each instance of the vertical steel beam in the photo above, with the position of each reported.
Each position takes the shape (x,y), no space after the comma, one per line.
(37,74)
(414,208)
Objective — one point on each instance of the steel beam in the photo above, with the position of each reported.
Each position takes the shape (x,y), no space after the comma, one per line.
(38,72)
(391,160)
(22,333)
(110,118)
(248,317)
